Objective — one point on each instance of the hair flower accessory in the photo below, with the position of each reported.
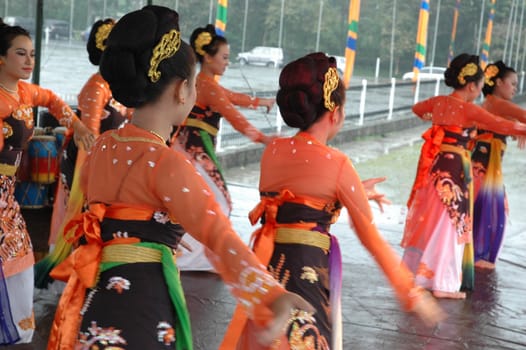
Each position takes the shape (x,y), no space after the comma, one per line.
(203,39)
(490,72)
(468,70)
(167,47)
(102,34)
(329,85)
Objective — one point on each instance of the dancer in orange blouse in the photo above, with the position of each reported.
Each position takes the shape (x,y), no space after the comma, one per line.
(99,112)
(490,207)
(303,185)
(123,286)
(198,136)
(439,225)
(17,99)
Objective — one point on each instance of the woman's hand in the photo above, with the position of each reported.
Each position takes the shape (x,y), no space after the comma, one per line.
(521,142)
(82,135)
(372,195)
(267,102)
(282,308)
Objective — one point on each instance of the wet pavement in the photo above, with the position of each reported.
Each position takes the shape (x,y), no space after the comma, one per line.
(492,317)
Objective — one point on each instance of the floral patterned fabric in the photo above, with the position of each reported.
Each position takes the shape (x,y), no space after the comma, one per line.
(131,167)
(303,184)
(16,252)
(439,224)
(213,103)
(490,208)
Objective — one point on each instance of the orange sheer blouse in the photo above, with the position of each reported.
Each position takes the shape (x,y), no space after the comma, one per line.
(504,108)
(223,101)
(93,97)
(132,166)
(31,95)
(309,168)
(451,110)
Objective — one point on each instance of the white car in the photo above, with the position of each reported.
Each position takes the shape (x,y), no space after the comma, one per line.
(427,73)
(262,55)
(340,64)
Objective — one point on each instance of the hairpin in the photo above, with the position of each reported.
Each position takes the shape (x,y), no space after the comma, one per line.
(102,34)
(329,85)
(167,47)
(468,70)
(203,39)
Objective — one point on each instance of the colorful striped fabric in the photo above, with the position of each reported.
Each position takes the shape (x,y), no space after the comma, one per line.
(451,52)
(421,38)
(352,37)
(222,6)
(484,57)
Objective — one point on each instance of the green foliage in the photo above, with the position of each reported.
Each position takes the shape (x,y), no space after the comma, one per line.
(299,32)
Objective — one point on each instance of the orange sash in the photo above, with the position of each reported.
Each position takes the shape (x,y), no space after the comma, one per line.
(262,241)
(81,268)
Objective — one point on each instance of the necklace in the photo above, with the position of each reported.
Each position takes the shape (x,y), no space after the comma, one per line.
(15,91)
(159,136)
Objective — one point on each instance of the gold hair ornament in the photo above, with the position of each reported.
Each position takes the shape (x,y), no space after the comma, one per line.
(203,39)
(491,72)
(468,70)
(102,34)
(330,84)
(167,47)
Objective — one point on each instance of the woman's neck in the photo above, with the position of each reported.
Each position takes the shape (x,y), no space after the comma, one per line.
(461,95)
(147,121)
(9,85)
(206,70)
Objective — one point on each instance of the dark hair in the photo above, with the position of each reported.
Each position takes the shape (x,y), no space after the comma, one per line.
(454,75)
(494,71)
(210,48)
(8,34)
(125,64)
(95,48)
(300,96)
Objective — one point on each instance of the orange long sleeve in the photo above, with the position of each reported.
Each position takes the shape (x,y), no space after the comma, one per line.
(308,168)
(504,108)
(218,99)
(136,168)
(452,111)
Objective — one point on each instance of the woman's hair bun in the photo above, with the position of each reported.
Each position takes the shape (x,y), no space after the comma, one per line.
(125,63)
(456,77)
(98,36)
(300,96)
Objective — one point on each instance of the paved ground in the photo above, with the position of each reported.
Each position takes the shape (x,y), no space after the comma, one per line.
(492,317)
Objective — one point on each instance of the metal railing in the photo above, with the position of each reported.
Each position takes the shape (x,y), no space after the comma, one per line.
(365,103)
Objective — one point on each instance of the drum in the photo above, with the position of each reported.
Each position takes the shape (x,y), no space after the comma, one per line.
(31,195)
(43,159)
(60,133)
